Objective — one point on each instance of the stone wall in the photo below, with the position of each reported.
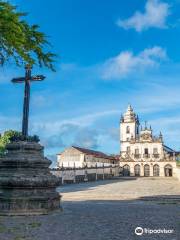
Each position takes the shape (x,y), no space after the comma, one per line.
(85,174)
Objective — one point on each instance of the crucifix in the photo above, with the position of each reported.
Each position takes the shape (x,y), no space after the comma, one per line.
(145,124)
(27,80)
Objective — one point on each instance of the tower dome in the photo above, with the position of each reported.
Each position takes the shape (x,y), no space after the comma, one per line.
(129,115)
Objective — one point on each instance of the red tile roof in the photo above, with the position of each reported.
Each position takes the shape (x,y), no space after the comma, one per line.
(95,153)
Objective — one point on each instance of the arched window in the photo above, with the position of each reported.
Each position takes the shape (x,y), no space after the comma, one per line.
(146,170)
(156,170)
(127,129)
(126,170)
(137,170)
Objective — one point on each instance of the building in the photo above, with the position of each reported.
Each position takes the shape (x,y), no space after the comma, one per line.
(142,153)
(76,157)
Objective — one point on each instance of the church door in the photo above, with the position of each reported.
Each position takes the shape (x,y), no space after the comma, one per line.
(168,170)
(126,170)
(156,170)
(137,170)
(146,170)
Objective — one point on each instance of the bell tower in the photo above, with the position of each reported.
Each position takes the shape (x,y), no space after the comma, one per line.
(129,129)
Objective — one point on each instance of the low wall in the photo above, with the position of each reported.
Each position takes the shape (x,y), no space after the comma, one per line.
(85,174)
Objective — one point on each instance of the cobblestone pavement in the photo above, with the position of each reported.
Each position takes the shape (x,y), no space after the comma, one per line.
(121,189)
(102,218)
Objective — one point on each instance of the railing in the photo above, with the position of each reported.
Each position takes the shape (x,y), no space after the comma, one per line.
(156,155)
(146,155)
(137,155)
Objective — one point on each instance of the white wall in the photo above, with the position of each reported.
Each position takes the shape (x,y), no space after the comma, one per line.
(73,158)
(177,172)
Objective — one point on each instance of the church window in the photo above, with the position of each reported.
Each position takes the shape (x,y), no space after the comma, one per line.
(127,129)
(146,151)
(128,149)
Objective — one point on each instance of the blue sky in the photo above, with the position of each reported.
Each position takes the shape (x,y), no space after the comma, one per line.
(111,53)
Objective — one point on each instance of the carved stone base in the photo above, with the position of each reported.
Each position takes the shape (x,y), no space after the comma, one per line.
(26,185)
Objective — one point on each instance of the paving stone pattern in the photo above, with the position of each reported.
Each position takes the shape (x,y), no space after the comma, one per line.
(104,218)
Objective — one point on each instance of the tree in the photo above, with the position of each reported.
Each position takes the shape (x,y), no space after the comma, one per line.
(20,41)
(11,136)
(5,139)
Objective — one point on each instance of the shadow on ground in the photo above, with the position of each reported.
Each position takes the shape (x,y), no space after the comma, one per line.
(96,220)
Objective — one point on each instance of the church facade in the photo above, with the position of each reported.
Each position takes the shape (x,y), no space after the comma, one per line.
(142,153)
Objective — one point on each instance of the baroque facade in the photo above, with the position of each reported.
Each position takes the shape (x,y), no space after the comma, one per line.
(142,153)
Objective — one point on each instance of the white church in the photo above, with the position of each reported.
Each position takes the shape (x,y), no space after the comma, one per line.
(142,153)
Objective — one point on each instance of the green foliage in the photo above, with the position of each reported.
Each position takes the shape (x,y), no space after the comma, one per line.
(14,136)
(21,41)
(5,139)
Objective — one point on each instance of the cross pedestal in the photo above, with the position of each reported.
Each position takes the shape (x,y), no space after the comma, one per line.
(26,185)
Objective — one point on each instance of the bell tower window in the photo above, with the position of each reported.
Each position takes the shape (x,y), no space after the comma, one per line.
(146,151)
(128,149)
(127,129)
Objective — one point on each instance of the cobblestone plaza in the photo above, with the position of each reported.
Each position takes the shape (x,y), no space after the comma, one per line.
(105,210)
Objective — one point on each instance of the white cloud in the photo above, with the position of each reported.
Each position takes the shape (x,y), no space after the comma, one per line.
(155,15)
(52,125)
(126,62)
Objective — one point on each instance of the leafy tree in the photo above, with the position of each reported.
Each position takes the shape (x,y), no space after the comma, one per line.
(5,139)
(20,41)
(11,136)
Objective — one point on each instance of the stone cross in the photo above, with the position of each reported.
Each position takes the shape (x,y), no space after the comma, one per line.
(27,80)
(145,124)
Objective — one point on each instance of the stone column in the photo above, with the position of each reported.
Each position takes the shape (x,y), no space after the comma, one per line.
(142,170)
(151,169)
(132,173)
(26,185)
(161,169)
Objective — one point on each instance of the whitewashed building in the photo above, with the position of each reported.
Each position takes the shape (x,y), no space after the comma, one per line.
(77,157)
(142,153)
